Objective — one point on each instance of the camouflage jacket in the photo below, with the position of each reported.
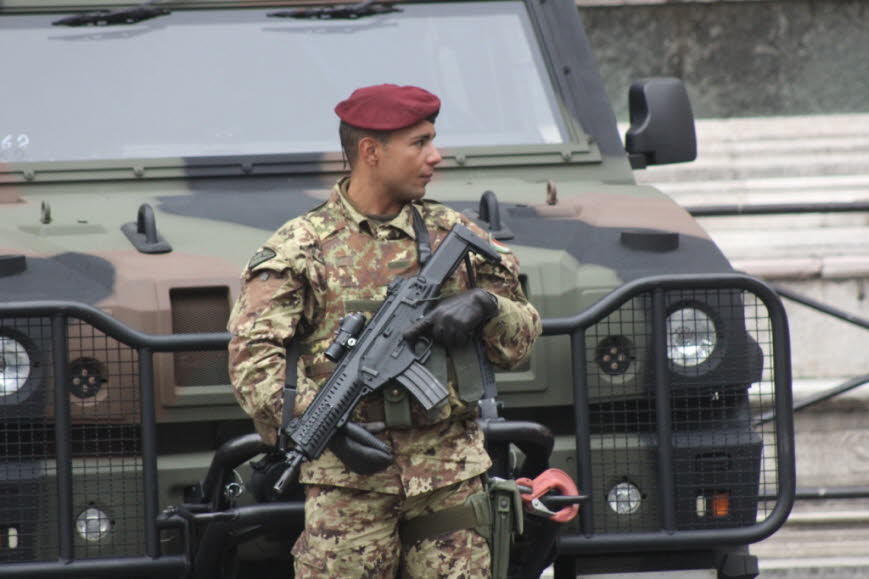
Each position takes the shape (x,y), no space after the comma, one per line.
(334,260)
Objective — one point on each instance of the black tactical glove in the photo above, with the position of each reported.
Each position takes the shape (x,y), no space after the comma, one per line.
(454,320)
(361,451)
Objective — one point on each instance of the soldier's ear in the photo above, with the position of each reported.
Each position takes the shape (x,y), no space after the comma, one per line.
(369,151)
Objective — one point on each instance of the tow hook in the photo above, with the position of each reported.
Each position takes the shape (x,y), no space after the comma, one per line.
(535,495)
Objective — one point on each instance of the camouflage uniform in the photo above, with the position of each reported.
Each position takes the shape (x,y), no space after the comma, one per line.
(335,260)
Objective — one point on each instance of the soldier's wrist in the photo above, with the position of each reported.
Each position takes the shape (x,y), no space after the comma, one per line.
(491,305)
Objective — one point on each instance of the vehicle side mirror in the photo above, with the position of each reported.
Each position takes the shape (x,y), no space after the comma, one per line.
(662,123)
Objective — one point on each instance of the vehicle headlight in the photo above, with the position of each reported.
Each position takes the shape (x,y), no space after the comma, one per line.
(691,338)
(93,524)
(624,498)
(15,366)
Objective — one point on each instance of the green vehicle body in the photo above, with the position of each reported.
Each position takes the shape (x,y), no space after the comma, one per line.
(108,246)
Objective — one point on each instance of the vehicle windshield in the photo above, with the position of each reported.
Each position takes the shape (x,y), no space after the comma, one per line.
(235,82)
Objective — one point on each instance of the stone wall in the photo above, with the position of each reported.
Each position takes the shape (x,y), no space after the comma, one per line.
(738,59)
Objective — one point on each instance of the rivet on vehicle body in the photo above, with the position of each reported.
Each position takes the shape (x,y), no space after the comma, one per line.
(461,159)
(247,168)
(29,174)
(139,171)
(566,155)
(551,193)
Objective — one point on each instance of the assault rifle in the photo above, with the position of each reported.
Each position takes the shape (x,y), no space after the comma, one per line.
(380,355)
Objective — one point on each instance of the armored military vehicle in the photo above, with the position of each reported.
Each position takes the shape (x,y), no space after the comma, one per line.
(147,151)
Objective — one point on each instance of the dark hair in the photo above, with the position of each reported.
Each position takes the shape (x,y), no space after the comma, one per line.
(350,137)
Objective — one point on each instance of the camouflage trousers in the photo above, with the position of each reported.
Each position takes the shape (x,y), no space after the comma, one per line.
(354,534)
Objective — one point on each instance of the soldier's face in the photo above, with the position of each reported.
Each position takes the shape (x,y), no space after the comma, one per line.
(407,162)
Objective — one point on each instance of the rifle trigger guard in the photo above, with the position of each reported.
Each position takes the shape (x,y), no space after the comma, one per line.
(427,344)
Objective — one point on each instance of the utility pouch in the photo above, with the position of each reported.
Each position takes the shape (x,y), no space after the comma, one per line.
(470,381)
(507,521)
(396,407)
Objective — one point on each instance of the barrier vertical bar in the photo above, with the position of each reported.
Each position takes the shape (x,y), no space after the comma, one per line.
(62,437)
(666,485)
(582,428)
(149,450)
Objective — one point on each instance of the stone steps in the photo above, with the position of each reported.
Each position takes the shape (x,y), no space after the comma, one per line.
(758,160)
(820,539)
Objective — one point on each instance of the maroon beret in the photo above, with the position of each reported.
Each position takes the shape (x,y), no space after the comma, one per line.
(388,107)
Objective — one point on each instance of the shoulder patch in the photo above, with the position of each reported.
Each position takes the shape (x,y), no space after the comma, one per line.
(261,256)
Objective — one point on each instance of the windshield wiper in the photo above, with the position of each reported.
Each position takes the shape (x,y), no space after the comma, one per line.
(144,11)
(350,11)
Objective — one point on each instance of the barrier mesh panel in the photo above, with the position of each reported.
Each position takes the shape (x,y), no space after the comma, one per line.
(101,382)
(26,438)
(715,370)
(108,490)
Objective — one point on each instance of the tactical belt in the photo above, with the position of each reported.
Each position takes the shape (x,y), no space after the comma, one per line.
(475,513)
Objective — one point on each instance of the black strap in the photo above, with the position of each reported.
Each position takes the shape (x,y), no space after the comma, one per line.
(423,244)
(291,381)
(488,403)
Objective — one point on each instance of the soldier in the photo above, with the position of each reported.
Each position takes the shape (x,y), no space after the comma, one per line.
(339,258)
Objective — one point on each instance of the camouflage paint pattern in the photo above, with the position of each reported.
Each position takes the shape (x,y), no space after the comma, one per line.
(354,534)
(319,267)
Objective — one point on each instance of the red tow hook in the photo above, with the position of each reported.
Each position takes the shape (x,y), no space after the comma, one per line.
(553,479)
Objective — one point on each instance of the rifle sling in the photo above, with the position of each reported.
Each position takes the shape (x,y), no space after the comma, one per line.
(423,243)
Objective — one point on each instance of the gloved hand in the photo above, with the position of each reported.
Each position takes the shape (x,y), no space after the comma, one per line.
(361,451)
(454,320)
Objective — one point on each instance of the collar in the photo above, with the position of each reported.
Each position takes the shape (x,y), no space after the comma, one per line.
(403,221)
